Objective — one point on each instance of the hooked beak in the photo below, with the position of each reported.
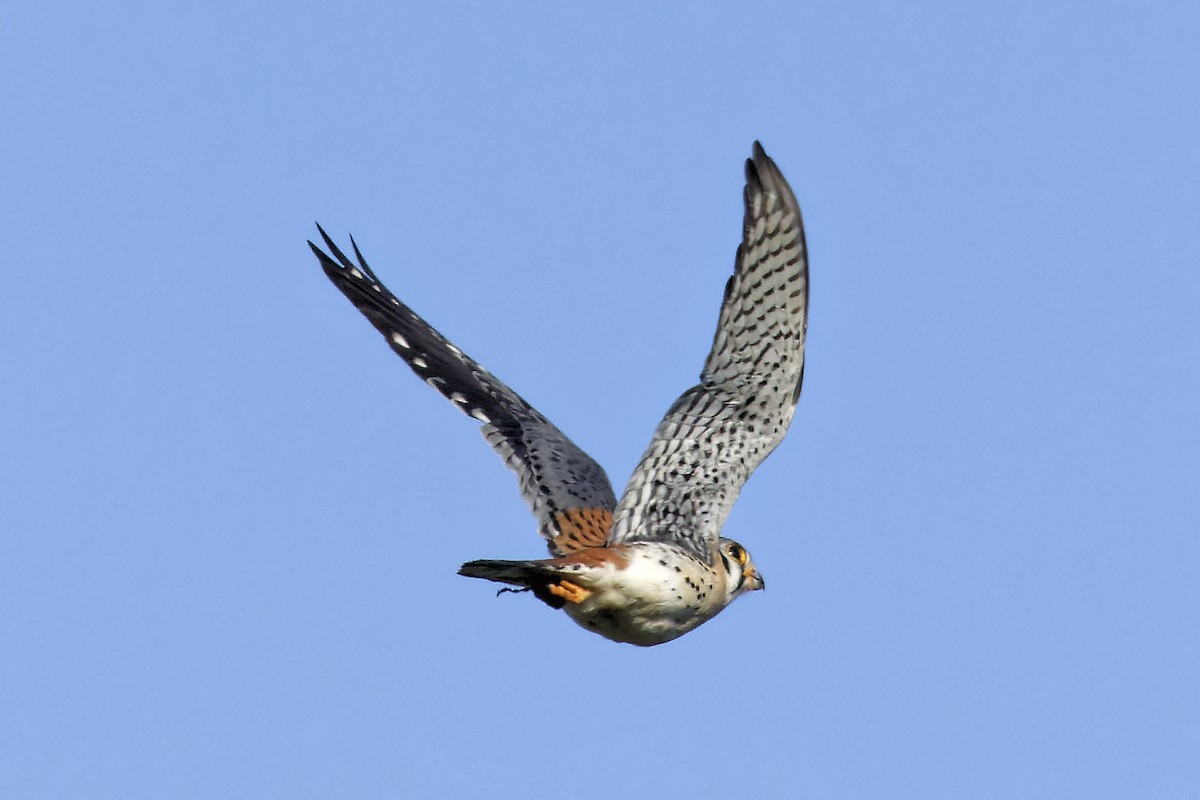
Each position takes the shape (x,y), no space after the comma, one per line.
(754,581)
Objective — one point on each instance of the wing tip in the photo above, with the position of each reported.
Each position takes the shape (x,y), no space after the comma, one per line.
(763,176)
(342,264)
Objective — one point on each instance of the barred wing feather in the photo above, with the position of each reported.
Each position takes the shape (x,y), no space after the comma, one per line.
(567,491)
(719,431)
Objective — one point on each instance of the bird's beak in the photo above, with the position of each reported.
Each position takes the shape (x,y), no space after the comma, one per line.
(754,581)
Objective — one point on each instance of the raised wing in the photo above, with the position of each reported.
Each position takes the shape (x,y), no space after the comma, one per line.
(719,431)
(567,491)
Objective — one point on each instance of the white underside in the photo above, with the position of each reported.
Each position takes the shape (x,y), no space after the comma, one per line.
(648,602)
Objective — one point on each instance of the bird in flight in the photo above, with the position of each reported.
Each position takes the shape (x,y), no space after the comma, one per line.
(652,566)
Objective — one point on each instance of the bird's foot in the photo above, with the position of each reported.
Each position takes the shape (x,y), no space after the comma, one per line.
(571,592)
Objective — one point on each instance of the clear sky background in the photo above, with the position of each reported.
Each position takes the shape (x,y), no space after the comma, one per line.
(231,518)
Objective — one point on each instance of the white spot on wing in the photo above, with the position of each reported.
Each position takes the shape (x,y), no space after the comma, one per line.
(420,362)
(399,340)
(479,415)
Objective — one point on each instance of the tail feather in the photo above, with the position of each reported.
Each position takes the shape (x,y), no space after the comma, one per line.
(535,576)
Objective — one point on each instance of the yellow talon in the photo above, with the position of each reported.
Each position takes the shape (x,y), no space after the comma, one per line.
(572,593)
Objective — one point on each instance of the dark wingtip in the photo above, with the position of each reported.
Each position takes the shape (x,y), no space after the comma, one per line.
(756,163)
(324,260)
(324,235)
(762,174)
(753,181)
(342,263)
(362,262)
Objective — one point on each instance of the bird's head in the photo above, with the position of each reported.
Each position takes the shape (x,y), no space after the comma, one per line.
(741,574)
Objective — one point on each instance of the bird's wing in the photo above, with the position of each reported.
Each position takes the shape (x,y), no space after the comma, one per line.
(720,430)
(568,492)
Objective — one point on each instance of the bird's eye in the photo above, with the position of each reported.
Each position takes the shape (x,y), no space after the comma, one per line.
(738,552)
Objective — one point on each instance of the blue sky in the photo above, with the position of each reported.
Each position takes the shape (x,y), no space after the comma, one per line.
(231,518)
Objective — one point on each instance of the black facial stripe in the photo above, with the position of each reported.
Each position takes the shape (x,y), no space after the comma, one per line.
(728,566)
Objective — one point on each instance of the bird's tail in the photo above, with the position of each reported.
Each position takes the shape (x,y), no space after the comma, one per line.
(536,576)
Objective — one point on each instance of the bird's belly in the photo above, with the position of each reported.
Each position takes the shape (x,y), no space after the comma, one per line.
(650,603)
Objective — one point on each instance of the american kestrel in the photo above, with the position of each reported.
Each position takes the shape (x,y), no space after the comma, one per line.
(653,566)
